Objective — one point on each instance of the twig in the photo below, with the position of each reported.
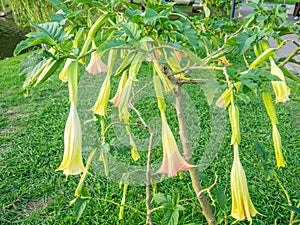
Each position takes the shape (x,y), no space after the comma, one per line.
(290,57)
(208,190)
(148,168)
(148,180)
(118,204)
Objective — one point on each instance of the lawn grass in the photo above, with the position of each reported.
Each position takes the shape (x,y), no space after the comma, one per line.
(291,2)
(31,148)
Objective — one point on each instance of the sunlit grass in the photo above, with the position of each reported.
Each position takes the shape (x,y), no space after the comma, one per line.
(31,148)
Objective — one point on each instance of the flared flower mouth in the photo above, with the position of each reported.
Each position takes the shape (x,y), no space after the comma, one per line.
(72,163)
(96,65)
(281,90)
(242,206)
(173,162)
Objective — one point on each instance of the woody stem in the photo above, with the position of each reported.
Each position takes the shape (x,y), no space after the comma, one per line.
(206,209)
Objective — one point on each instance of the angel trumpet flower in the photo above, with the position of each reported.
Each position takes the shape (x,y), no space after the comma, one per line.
(63,75)
(116,100)
(267,99)
(100,106)
(96,65)
(225,98)
(281,90)
(278,147)
(173,162)
(242,206)
(72,163)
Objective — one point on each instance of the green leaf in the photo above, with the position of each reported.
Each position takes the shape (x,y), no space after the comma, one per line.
(79,207)
(110,44)
(289,74)
(171,217)
(260,150)
(244,42)
(60,5)
(151,15)
(294,208)
(48,71)
(210,88)
(160,198)
(132,30)
(52,29)
(221,198)
(35,38)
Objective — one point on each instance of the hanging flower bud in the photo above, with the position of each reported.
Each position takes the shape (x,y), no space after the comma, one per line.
(72,163)
(281,90)
(278,147)
(242,206)
(100,106)
(134,152)
(173,162)
(121,213)
(267,99)
(235,124)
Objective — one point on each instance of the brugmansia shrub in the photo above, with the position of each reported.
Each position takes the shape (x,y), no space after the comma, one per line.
(177,48)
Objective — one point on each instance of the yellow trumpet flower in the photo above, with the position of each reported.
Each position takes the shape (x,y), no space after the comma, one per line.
(100,106)
(225,98)
(267,99)
(124,101)
(63,75)
(281,90)
(278,147)
(116,100)
(242,206)
(72,163)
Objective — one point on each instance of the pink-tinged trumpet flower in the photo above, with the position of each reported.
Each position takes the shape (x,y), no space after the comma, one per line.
(116,100)
(281,90)
(242,206)
(96,64)
(173,162)
(72,163)
(100,106)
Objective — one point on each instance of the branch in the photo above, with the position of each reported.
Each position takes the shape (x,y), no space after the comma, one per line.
(206,210)
(148,168)
(290,57)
